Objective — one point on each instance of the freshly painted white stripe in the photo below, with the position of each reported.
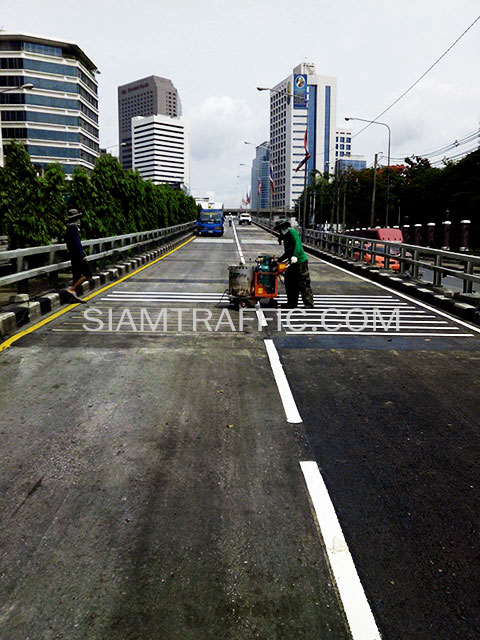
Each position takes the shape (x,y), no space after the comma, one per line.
(405,297)
(289,406)
(353,314)
(214,240)
(355,604)
(165,293)
(378,333)
(360,323)
(260,315)
(239,247)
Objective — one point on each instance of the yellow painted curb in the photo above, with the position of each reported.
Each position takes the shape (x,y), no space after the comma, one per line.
(8,343)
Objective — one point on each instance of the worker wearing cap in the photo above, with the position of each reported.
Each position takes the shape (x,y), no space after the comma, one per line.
(80,269)
(297,276)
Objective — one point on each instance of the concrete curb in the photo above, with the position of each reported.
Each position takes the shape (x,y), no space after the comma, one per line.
(16,315)
(454,305)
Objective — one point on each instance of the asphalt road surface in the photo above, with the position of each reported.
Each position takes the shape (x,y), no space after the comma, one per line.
(153,483)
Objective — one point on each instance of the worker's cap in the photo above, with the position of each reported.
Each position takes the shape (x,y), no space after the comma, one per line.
(73,215)
(281,224)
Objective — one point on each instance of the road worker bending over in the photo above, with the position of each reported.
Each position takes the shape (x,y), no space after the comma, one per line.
(297,276)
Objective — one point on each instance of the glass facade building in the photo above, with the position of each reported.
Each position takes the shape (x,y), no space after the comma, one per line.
(57,119)
(303,103)
(260,188)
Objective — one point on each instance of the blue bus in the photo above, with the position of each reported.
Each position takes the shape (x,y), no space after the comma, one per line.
(210,222)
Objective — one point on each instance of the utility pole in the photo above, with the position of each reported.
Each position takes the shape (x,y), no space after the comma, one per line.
(372,214)
(344,216)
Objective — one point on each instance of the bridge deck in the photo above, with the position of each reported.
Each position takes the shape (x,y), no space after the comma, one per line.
(151,479)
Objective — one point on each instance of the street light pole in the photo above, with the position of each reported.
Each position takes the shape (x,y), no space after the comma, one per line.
(29,85)
(372,214)
(384,124)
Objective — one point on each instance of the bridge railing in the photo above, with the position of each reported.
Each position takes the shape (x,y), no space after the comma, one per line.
(410,258)
(52,258)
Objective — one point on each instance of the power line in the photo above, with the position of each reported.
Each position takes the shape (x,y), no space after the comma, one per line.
(444,149)
(420,78)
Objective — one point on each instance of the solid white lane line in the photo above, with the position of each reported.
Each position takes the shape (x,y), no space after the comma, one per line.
(355,604)
(360,323)
(289,406)
(239,248)
(378,333)
(260,315)
(409,298)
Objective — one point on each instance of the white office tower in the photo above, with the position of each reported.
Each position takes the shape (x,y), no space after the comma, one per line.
(303,101)
(161,149)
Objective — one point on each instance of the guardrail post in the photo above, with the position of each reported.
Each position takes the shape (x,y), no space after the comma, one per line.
(468,284)
(431,234)
(446,234)
(437,275)
(464,230)
(403,267)
(416,266)
(387,257)
(22,265)
(418,234)
(53,275)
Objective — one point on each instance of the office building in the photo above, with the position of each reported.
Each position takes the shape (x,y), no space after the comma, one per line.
(161,149)
(343,143)
(355,162)
(260,189)
(57,119)
(303,100)
(146,97)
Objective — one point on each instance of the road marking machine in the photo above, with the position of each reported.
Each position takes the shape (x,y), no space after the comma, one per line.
(250,283)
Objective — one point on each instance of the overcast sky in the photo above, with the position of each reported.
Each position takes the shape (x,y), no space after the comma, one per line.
(217,51)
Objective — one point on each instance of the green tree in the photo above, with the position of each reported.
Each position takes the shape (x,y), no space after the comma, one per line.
(21,200)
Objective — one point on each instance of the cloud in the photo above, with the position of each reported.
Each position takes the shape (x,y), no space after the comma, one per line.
(219,127)
(216,124)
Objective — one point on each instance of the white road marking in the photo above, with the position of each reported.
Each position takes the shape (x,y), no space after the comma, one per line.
(289,406)
(260,315)
(214,240)
(403,295)
(379,333)
(239,248)
(355,604)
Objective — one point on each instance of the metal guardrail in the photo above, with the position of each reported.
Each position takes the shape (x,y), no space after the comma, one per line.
(410,258)
(100,248)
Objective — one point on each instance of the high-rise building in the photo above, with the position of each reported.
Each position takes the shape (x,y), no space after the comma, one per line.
(57,119)
(302,101)
(260,189)
(354,162)
(161,149)
(343,143)
(146,97)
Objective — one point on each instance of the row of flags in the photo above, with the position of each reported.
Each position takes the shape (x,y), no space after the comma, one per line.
(246,200)
(271,176)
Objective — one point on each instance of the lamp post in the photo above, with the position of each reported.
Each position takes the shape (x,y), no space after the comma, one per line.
(291,95)
(388,165)
(29,85)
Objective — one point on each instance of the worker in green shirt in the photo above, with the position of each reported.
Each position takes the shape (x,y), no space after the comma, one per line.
(297,276)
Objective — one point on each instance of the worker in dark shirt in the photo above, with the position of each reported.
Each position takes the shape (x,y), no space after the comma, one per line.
(297,276)
(80,269)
